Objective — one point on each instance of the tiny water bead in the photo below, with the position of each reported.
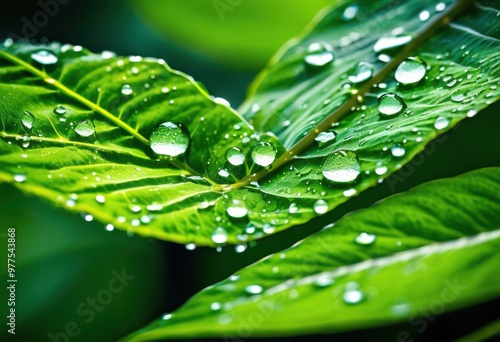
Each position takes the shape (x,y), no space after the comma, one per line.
(350,12)
(235,156)
(362,73)
(219,235)
(341,167)
(390,105)
(365,238)
(441,122)
(398,151)
(410,71)
(44,57)
(320,207)
(263,154)
(60,110)
(100,199)
(318,55)
(170,139)
(352,297)
(27,119)
(237,209)
(85,128)
(127,89)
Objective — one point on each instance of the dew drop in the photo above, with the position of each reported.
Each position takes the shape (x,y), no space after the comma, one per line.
(350,12)
(110,227)
(362,72)
(390,105)
(19,178)
(353,297)
(219,235)
(235,156)
(215,306)
(471,113)
(60,109)
(263,154)
(325,137)
(169,139)
(254,289)
(341,167)
(389,43)
(365,239)
(127,90)
(424,15)
(85,128)
(324,281)
(380,170)
(100,199)
(320,207)
(293,208)
(44,57)
(398,151)
(318,55)
(190,246)
(441,122)
(166,316)
(237,209)
(240,248)
(27,119)
(411,70)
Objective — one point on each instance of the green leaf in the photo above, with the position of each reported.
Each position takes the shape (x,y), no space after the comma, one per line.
(434,248)
(197,197)
(238,33)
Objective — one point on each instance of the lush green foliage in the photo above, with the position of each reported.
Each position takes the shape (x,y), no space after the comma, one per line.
(141,147)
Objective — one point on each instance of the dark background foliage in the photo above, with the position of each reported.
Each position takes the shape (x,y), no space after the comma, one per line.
(62,259)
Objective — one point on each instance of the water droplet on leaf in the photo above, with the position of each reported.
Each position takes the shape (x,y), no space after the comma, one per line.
(60,109)
(263,154)
(411,70)
(27,119)
(254,289)
(235,156)
(341,167)
(318,55)
(362,72)
(169,139)
(85,128)
(390,105)
(127,89)
(320,207)
(44,57)
(219,235)
(237,209)
(365,239)
(441,122)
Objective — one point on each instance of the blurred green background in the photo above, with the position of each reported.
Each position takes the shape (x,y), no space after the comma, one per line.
(62,260)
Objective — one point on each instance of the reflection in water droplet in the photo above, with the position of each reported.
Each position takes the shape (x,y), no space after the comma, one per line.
(398,151)
(127,89)
(411,70)
(237,209)
(341,167)
(235,156)
(318,55)
(27,119)
(170,139)
(365,239)
(44,57)
(219,235)
(60,109)
(390,105)
(389,43)
(254,289)
(362,72)
(19,178)
(320,207)
(441,122)
(85,128)
(263,154)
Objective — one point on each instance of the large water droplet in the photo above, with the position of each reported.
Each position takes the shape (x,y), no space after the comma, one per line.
(169,139)
(320,207)
(127,89)
(441,122)
(219,235)
(353,297)
(341,167)
(235,156)
(390,105)
(27,120)
(365,238)
(388,43)
(44,57)
(263,154)
(19,178)
(398,151)
(362,72)
(60,109)
(254,289)
(411,70)
(85,128)
(325,137)
(237,209)
(350,12)
(293,208)
(318,55)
